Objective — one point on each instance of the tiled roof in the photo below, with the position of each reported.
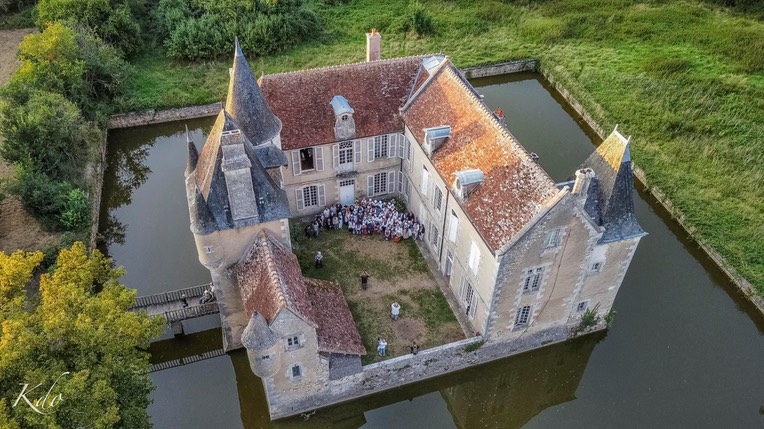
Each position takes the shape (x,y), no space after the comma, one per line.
(610,201)
(337,332)
(246,104)
(514,189)
(375,90)
(270,279)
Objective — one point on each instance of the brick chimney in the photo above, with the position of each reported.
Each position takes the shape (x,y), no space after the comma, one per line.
(373,45)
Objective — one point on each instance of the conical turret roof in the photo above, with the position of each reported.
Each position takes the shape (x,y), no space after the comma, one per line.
(246,104)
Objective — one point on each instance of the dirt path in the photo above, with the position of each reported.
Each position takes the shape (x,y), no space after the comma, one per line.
(18,229)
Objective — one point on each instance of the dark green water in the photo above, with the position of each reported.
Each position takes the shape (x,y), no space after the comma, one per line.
(685,350)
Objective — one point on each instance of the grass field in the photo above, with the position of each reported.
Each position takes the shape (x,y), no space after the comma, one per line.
(398,274)
(684,77)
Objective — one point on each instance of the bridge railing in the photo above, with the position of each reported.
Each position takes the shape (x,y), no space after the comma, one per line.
(187,360)
(170,296)
(191,312)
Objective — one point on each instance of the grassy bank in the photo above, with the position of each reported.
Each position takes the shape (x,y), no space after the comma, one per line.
(684,77)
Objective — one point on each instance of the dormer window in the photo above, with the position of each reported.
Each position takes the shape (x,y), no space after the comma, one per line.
(345,117)
(344,126)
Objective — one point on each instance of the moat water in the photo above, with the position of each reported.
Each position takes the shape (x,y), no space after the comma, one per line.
(685,349)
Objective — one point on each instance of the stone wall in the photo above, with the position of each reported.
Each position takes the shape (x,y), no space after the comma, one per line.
(741,283)
(428,363)
(518,66)
(137,119)
(94,171)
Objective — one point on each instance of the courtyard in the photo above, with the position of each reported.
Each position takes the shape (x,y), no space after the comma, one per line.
(398,273)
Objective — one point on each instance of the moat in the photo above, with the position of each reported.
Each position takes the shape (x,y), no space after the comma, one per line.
(684,351)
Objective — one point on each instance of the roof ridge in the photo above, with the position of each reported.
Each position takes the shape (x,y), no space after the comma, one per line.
(360,64)
(427,82)
(519,149)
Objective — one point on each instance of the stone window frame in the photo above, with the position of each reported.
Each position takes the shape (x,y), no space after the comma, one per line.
(553,238)
(209,249)
(523,316)
(532,279)
(294,342)
(596,267)
(290,373)
(381,146)
(437,199)
(582,306)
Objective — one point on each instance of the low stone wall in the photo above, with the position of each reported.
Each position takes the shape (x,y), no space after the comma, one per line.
(136,119)
(527,65)
(428,363)
(741,283)
(95,171)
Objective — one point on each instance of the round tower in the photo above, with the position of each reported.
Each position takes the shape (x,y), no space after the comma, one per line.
(262,346)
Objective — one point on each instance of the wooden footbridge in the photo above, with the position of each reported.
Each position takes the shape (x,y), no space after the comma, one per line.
(177,306)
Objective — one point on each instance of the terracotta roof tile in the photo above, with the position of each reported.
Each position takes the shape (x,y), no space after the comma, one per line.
(514,189)
(337,332)
(375,90)
(270,279)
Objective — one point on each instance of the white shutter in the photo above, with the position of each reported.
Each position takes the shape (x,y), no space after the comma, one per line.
(390,182)
(357,151)
(391,146)
(321,196)
(425,181)
(370,186)
(474,257)
(473,306)
(452,227)
(405,190)
(421,214)
(400,182)
(336,156)
(299,199)
(296,163)
(318,152)
(399,146)
(370,148)
(463,289)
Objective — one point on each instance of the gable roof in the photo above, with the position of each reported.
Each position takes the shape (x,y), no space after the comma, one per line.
(610,200)
(246,104)
(375,90)
(237,198)
(270,280)
(336,330)
(514,189)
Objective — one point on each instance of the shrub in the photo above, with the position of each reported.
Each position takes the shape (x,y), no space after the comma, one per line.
(47,134)
(42,196)
(76,213)
(421,21)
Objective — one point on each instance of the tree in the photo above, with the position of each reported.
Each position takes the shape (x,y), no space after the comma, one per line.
(77,338)
(47,134)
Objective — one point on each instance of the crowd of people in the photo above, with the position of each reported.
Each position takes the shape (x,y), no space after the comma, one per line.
(368,217)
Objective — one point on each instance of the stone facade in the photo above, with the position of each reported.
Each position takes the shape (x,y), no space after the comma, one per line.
(525,257)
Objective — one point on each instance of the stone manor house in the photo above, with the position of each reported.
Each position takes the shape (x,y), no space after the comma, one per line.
(521,253)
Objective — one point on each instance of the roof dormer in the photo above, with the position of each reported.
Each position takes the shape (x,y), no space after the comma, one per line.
(466,181)
(434,137)
(344,125)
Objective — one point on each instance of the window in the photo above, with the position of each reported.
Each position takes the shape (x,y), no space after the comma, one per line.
(296,371)
(380,183)
(310,196)
(346,153)
(523,315)
(452,227)
(581,307)
(293,341)
(344,117)
(380,147)
(437,199)
(469,298)
(209,249)
(553,238)
(596,267)
(306,159)
(474,257)
(425,180)
(434,235)
(532,280)
(266,357)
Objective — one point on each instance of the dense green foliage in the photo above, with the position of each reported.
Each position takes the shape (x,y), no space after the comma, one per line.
(113,21)
(76,335)
(685,77)
(198,29)
(50,113)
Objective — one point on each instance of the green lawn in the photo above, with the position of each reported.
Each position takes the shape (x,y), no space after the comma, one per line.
(398,274)
(685,78)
